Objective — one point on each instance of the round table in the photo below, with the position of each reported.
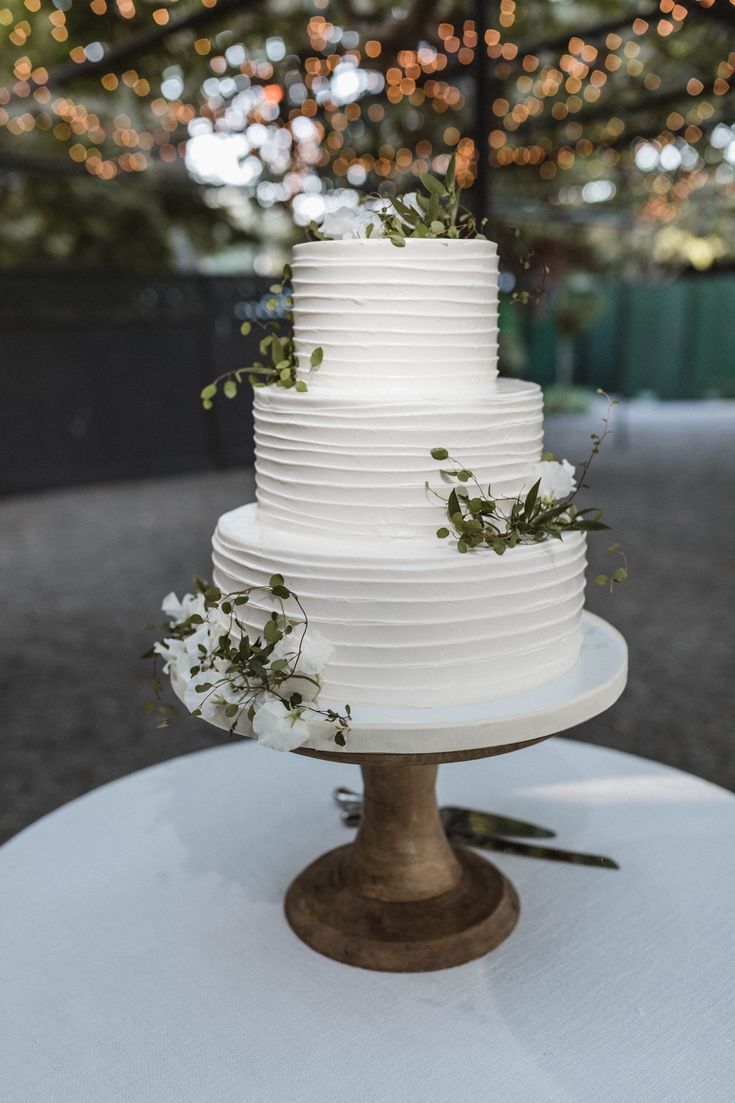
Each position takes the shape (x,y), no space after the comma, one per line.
(145,956)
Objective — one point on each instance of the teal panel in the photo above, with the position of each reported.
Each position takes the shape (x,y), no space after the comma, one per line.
(676,340)
(598,357)
(658,335)
(711,363)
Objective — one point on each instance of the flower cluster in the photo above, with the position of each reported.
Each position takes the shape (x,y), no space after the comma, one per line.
(223,675)
(279,366)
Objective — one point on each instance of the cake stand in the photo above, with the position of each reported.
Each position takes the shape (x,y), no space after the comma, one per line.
(400,898)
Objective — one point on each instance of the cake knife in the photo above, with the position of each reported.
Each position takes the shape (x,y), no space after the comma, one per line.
(455,819)
(471,828)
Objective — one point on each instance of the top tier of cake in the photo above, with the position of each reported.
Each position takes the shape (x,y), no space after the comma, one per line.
(412,321)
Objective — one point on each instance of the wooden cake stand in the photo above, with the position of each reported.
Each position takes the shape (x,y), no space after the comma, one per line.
(400,898)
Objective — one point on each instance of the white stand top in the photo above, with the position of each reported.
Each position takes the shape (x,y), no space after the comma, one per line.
(592,685)
(145,957)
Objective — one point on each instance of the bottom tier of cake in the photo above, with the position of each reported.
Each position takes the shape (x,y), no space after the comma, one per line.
(412,622)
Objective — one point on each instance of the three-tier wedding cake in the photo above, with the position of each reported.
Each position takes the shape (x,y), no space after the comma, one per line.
(409,340)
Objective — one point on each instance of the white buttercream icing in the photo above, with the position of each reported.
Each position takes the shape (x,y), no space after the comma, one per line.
(415,622)
(359,465)
(397,320)
(409,340)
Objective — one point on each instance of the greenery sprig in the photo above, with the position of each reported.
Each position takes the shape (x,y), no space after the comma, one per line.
(229,663)
(476,519)
(279,366)
(437,212)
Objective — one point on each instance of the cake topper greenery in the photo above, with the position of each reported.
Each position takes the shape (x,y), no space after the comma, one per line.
(435,211)
(477,520)
(226,674)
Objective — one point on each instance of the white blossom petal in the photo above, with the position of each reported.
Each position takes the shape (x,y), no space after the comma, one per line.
(276,727)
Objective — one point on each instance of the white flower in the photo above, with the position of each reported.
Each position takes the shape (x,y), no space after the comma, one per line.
(179,611)
(557,479)
(315,654)
(278,728)
(315,651)
(349,222)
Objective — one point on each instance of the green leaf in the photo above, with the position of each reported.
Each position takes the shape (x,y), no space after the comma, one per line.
(432,184)
(619,574)
(316,358)
(271,632)
(439,454)
(397,240)
(209,391)
(301,386)
(245,328)
(442,533)
(281,591)
(601,580)
(451,172)
(531,499)
(230,388)
(453,505)
(276,580)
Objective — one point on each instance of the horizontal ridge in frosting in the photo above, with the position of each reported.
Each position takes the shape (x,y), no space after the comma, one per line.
(398,319)
(359,465)
(414,623)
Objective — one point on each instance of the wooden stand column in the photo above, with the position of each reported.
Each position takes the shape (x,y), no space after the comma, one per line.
(400,898)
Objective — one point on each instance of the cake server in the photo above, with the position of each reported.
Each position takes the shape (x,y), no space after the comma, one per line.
(455,819)
(529,850)
(484,830)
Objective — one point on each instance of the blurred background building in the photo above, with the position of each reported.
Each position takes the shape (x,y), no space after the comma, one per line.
(157,162)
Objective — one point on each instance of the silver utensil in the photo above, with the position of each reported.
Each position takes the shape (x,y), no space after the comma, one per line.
(484,830)
(454,818)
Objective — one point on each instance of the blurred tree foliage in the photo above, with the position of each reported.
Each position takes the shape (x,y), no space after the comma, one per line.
(150,133)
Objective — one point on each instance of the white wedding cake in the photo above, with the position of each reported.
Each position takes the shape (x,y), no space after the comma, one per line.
(409,340)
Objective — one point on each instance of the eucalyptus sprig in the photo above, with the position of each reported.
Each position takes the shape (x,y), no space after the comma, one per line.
(241,670)
(279,366)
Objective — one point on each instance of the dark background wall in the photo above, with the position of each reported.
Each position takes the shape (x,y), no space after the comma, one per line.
(101,373)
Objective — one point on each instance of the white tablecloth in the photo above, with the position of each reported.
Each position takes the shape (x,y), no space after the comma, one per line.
(145,957)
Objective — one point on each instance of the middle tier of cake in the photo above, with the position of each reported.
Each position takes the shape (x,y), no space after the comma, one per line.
(327,463)
(413,622)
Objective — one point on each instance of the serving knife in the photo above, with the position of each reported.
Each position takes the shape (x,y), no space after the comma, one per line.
(484,830)
(454,819)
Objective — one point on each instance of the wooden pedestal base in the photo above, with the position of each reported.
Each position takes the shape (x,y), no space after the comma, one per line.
(400,898)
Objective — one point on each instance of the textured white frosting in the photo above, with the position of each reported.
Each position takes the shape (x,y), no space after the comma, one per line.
(409,340)
(329,462)
(397,320)
(414,622)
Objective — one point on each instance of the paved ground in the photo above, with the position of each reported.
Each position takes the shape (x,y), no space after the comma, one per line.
(83,571)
